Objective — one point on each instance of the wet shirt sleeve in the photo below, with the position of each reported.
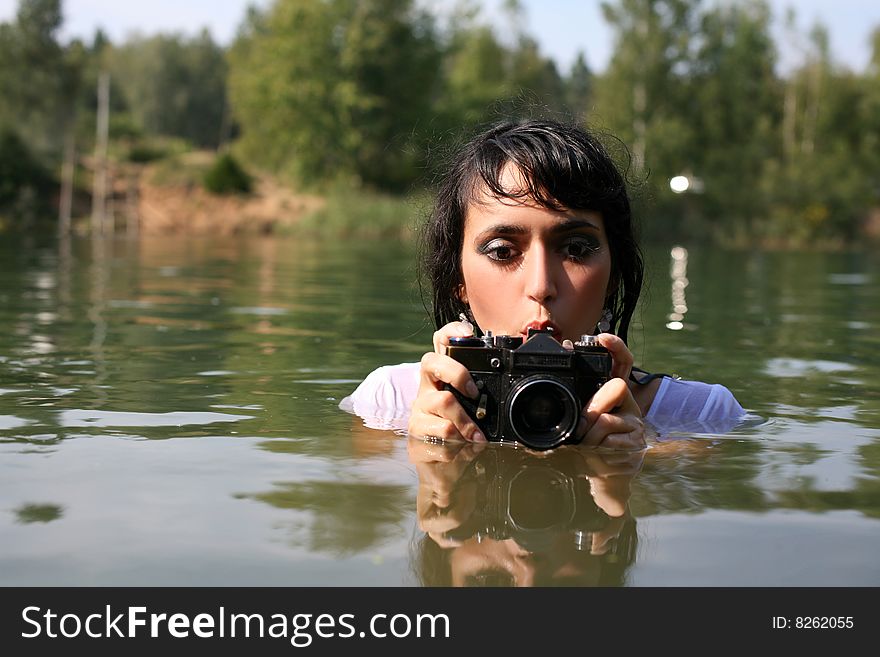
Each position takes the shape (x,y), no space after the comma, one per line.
(693,407)
(383,399)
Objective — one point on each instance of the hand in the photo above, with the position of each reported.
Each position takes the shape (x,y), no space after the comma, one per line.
(436,411)
(612,418)
(442,504)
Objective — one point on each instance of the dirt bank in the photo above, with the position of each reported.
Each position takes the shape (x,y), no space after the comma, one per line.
(163,204)
(182,209)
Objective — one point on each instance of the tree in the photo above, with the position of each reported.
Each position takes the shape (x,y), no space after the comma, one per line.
(172,85)
(33,77)
(334,89)
(579,88)
(644,83)
(734,116)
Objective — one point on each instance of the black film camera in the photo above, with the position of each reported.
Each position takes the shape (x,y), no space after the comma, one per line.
(531,391)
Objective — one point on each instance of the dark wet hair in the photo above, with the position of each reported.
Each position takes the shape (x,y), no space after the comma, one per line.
(563,167)
(432,564)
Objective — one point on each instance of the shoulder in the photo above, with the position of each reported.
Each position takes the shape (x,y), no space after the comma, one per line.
(693,406)
(383,399)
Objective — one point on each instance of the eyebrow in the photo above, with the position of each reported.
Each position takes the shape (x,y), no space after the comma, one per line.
(566,225)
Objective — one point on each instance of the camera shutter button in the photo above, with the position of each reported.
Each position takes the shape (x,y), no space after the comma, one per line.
(495,363)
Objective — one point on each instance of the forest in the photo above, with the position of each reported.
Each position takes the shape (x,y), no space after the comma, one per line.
(368,96)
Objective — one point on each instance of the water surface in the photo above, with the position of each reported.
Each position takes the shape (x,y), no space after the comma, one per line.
(169,415)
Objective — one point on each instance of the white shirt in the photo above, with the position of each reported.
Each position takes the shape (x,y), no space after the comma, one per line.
(384,398)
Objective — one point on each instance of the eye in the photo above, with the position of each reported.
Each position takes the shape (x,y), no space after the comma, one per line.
(579,248)
(499,251)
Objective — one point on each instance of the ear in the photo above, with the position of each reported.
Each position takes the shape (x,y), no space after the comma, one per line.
(461,291)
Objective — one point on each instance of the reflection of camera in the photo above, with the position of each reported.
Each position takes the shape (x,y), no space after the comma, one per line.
(533,500)
(532,392)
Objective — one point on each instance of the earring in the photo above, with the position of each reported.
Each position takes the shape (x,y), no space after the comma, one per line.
(604,324)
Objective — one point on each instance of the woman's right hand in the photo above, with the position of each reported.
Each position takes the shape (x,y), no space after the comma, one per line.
(435,410)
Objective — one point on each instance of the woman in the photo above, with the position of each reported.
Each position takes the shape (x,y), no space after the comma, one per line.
(532,229)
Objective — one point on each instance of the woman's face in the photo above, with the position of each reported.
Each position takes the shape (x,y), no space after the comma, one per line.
(525,266)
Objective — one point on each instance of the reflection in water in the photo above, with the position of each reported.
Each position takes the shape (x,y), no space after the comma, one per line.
(678,272)
(344,517)
(494,515)
(29,513)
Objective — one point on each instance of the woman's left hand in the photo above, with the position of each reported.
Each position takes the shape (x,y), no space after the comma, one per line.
(612,418)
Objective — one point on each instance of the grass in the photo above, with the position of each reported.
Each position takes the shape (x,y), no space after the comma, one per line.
(356,213)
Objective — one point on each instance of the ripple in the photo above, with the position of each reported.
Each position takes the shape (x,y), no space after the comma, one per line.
(795,367)
(258,310)
(13,422)
(849,279)
(86,418)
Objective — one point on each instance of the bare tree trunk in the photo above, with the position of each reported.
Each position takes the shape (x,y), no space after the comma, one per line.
(99,186)
(132,220)
(67,171)
(811,115)
(640,105)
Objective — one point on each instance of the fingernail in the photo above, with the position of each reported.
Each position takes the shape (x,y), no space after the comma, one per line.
(478,437)
(471,389)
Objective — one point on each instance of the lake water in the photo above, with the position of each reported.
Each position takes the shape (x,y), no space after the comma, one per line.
(169,416)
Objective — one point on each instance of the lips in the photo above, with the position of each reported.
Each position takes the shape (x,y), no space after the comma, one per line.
(543,326)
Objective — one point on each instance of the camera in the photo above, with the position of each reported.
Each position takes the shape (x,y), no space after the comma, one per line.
(541,501)
(531,391)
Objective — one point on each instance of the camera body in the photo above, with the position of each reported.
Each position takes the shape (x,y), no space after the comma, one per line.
(533,391)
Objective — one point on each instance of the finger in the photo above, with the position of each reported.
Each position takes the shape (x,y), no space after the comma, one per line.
(611,494)
(608,425)
(453,329)
(630,441)
(613,396)
(439,414)
(444,541)
(621,356)
(437,370)
(606,464)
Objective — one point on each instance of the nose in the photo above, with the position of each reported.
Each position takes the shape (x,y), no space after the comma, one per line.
(541,273)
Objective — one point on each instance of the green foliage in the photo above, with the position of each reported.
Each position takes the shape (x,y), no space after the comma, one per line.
(362,94)
(18,168)
(227,176)
(34,77)
(335,90)
(365,214)
(172,86)
(24,183)
(695,92)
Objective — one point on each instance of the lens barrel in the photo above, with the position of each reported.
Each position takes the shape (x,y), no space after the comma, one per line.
(542,411)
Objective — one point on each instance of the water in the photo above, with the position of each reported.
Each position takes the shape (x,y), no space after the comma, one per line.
(169,416)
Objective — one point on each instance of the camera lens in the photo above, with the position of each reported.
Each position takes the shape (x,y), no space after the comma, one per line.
(542,412)
(539,497)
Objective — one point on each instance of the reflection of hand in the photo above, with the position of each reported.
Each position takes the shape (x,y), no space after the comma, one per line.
(436,411)
(610,475)
(441,503)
